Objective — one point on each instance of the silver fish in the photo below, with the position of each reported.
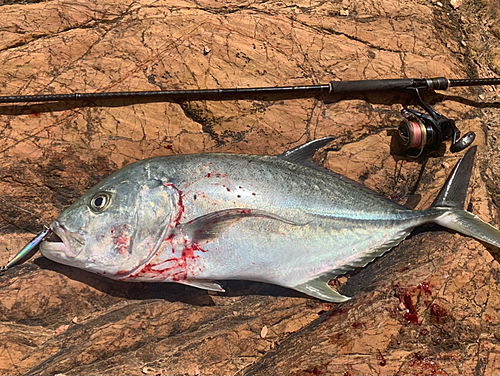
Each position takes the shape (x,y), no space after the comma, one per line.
(194,219)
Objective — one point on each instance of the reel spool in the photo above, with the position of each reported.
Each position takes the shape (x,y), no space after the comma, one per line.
(416,136)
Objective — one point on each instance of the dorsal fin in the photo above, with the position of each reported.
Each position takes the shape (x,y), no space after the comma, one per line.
(303,154)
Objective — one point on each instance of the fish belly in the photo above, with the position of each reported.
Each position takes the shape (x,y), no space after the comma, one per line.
(270,251)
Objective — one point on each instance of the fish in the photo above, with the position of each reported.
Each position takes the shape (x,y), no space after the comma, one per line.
(198,219)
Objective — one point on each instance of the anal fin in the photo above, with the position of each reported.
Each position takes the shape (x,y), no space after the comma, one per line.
(319,288)
(203,284)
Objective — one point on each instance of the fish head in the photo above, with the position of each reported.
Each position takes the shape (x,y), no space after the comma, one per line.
(117,226)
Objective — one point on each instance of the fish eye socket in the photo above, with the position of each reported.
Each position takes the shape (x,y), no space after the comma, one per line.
(100,201)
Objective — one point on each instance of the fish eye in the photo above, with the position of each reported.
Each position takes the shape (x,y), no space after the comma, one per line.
(100,201)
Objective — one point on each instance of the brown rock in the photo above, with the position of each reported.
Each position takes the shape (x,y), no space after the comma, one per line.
(427,307)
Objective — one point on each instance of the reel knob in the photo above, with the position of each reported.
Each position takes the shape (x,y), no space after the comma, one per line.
(463,143)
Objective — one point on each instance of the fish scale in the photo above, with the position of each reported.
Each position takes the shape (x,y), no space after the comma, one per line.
(196,219)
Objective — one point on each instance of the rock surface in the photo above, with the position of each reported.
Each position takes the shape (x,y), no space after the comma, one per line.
(430,306)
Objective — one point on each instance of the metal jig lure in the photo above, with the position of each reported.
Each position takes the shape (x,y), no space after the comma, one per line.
(28,250)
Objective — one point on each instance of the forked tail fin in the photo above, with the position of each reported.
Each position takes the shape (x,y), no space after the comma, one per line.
(451,200)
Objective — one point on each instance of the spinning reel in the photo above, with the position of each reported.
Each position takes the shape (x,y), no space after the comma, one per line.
(421,134)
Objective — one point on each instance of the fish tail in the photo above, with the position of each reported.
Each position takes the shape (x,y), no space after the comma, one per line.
(449,205)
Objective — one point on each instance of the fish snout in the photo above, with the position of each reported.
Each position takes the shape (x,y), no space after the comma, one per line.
(63,241)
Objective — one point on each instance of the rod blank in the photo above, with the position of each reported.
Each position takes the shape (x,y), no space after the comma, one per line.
(334,87)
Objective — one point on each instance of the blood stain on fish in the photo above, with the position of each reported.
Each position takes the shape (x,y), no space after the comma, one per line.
(215,174)
(122,243)
(121,240)
(178,267)
(180,204)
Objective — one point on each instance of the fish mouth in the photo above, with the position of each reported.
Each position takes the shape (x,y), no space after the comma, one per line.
(60,240)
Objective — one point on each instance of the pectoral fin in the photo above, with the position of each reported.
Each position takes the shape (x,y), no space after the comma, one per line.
(320,289)
(210,225)
(203,284)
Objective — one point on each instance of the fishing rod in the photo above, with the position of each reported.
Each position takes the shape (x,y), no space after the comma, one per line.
(420,134)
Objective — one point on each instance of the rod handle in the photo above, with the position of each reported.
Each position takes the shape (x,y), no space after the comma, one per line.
(398,84)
